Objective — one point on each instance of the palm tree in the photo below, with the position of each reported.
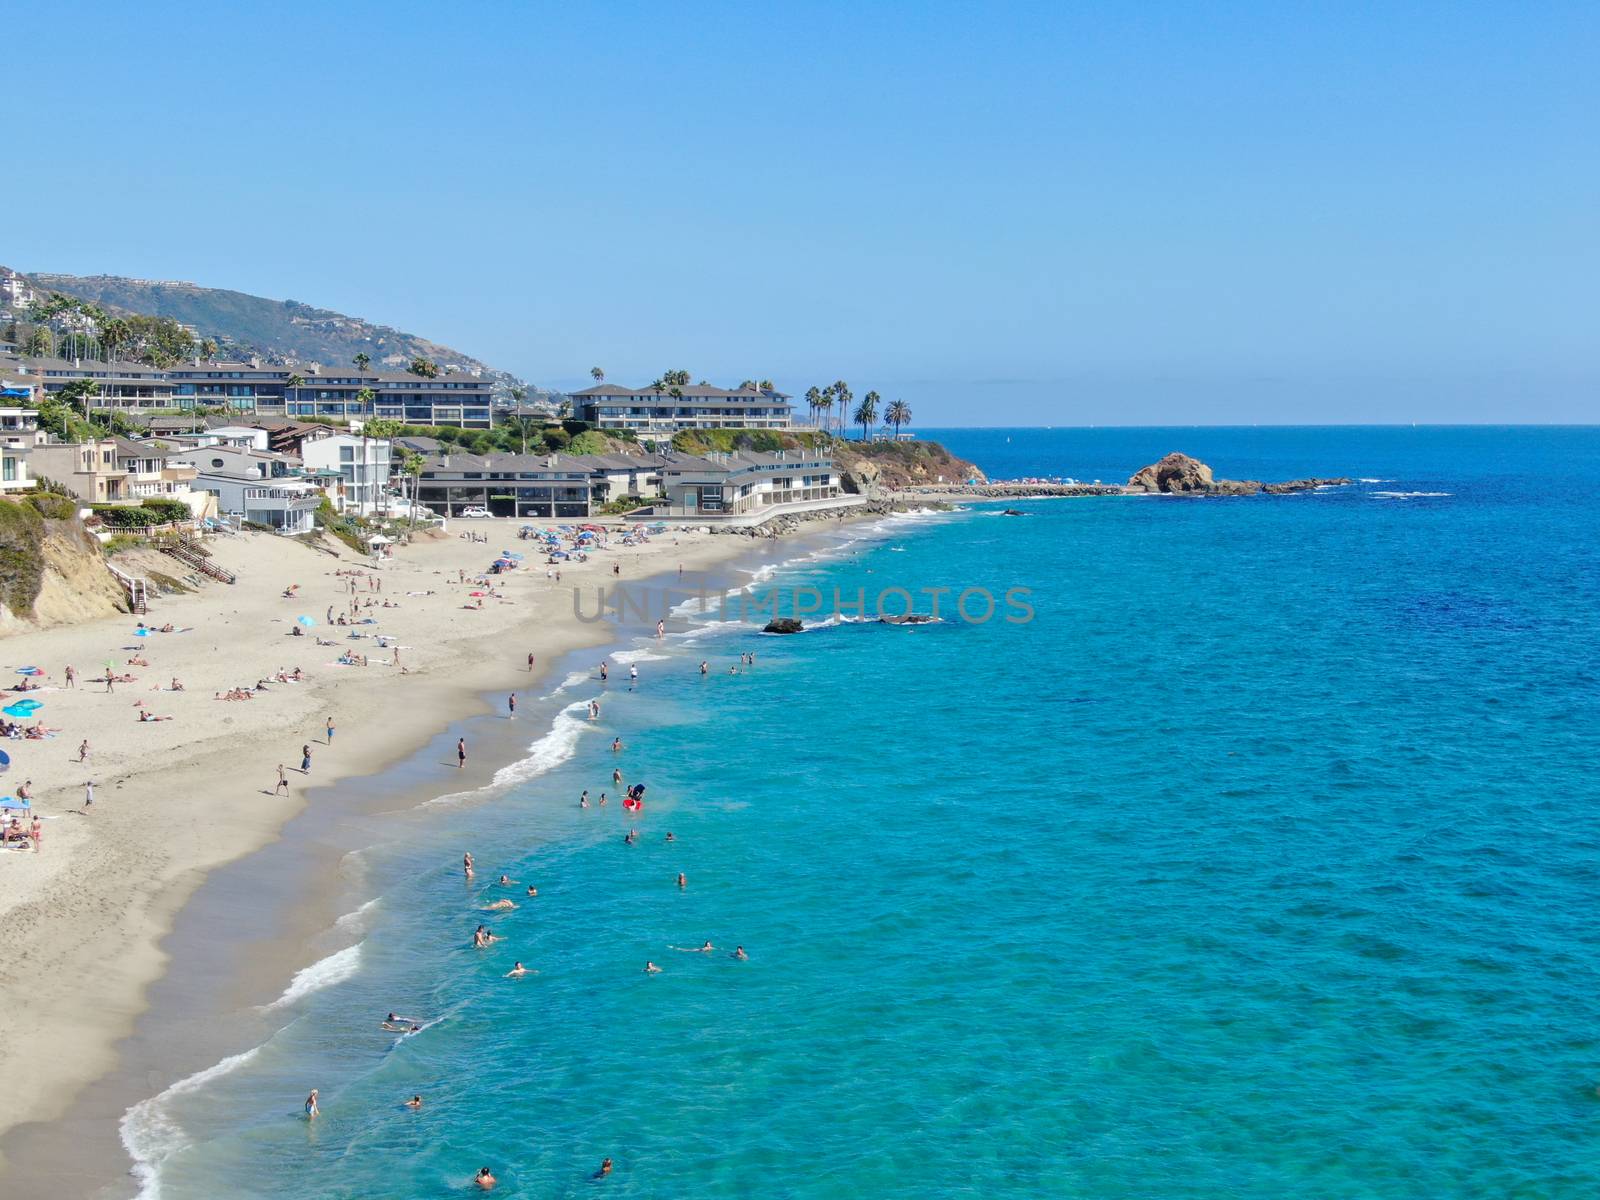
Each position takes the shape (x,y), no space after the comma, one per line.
(564,409)
(411,464)
(842,396)
(424,367)
(362,360)
(522,428)
(866,412)
(897,414)
(114,335)
(380,429)
(597,374)
(813,401)
(208,348)
(824,405)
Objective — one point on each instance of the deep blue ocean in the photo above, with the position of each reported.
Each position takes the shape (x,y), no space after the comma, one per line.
(1262,861)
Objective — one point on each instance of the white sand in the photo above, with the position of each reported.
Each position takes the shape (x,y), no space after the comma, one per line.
(175,799)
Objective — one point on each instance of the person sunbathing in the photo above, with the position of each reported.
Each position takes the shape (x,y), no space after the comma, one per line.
(146,715)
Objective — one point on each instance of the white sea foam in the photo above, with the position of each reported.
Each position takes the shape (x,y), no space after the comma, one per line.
(1405,495)
(544,755)
(356,922)
(571,681)
(324,973)
(642,654)
(1364,479)
(151,1135)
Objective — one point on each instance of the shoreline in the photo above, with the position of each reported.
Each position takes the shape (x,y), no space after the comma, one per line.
(63,1123)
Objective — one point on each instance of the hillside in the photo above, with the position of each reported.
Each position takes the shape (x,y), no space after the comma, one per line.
(277,330)
(866,467)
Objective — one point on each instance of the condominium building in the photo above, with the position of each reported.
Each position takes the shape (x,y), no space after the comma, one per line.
(746,482)
(659,413)
(19,432)
(361,465)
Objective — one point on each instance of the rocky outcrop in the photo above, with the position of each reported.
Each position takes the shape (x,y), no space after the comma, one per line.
(1181,475)
(785,625)
(861,477)
(908,619)
(1174,474)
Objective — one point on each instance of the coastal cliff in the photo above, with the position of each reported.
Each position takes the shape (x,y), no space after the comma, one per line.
(52,571)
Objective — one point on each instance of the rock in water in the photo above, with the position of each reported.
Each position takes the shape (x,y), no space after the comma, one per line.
(1174,473)
(784,625)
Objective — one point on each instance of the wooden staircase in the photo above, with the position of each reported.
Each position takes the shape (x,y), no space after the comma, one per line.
(135,589)
(191,555)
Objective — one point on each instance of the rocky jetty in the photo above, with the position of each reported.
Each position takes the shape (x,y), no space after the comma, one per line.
(1181,475)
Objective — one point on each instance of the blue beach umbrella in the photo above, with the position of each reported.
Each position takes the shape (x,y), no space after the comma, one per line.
(13,802)
(5,762)
(308,622)
(29,671)
(141,632)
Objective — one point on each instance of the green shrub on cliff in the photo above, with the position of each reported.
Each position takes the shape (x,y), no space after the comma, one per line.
(21,556)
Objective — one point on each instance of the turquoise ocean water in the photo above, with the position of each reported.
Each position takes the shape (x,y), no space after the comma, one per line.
(1261,861)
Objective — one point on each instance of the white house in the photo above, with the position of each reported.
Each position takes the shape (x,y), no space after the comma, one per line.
(362,464)
(19,431)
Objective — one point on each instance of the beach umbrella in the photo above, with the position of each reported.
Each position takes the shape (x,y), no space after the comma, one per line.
(13,802)
(16,710)
(5,762)
(308,622)
(141,632)
(29,671)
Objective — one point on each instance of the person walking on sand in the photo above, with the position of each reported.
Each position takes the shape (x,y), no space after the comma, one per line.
(461,752)
(88,794)
(283,782)
(330,731)
(83,750)
(530,662)
(305,759)
(72,676)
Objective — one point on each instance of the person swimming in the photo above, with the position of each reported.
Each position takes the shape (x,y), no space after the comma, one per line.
(518,971)
(651,969)
(707,948)
(484,1178)
(616,745)
(481,937)
(414,1102)
(505,881)
(583,800)
(669,836)
(738,952)
(394,1024)
(500,906)
(683,880)
(605,1169)
(466,864)
(533,891)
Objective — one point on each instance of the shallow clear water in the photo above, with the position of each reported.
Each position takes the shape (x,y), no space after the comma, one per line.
(1261,861)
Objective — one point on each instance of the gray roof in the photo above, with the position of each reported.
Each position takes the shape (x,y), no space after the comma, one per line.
(120,367)
(693,391)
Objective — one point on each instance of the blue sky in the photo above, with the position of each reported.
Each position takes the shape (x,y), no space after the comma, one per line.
(1011,213)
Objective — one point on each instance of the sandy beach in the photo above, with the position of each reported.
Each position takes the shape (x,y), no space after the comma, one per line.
(174,799)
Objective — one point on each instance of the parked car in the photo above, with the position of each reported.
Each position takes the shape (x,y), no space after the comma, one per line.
(476,510)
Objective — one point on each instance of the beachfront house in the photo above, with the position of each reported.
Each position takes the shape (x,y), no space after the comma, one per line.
(552,487)
(19,433)
(89,470)
(656,414)
(150,471)
(361,467)
(747,483)
(259,487)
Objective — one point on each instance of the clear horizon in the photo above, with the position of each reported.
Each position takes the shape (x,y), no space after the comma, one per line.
(1163,216)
